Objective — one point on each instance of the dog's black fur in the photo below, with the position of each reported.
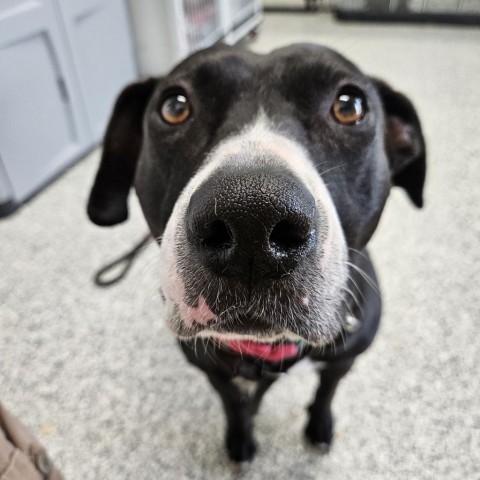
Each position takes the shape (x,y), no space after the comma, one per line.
(295,87)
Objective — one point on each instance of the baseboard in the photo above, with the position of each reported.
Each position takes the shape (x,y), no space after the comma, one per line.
(406,17)
(7,208)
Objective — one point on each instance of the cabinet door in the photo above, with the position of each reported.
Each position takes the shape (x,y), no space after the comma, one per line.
(42,124)
(98,34)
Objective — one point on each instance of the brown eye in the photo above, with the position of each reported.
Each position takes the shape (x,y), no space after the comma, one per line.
(175,109)
(349,107)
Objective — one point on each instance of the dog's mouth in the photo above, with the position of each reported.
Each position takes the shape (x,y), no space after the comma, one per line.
(274,352)
(251,337)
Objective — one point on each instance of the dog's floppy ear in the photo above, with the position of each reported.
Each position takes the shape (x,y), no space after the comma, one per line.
(107,204)
(404,142)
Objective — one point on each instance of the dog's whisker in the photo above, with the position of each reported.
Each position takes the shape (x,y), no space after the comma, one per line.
(362,254)
(348,307)
(333,168)
(366,277)
(315,165)
(355,301)
(355,284)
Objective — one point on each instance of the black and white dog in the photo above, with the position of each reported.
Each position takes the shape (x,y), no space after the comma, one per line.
(263,178)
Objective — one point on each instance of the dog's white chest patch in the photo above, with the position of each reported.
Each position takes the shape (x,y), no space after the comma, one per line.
(247,387)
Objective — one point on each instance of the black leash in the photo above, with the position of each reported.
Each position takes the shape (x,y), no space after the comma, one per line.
(103,277)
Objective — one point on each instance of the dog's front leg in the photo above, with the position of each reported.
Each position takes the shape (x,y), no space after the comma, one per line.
(319,430)
(240,408)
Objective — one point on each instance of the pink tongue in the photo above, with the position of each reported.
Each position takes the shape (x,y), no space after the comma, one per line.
(265,351)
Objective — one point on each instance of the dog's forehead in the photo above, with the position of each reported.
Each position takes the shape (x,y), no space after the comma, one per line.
(307,55)
(223,63)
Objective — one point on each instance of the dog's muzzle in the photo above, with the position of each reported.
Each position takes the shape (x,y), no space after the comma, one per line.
(252,224)
(254,248)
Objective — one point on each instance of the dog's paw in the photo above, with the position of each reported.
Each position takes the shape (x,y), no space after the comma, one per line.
(241,448)
(319,433)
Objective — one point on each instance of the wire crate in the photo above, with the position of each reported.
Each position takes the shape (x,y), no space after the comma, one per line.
(166,32)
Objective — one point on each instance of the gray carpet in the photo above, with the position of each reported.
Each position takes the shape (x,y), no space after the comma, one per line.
(100,380)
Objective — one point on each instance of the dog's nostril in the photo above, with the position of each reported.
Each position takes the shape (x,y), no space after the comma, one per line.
(287,235)
(217,235)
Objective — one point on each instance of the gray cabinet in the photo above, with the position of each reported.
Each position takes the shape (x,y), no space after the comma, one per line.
(62,62)
(98,34)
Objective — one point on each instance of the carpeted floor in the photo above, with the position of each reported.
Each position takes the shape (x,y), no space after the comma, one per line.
(100,380)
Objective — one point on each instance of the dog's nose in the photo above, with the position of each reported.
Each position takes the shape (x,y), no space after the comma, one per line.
(251,225)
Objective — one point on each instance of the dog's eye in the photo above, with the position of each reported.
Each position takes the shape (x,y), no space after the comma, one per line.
(349,106)
(175,109)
